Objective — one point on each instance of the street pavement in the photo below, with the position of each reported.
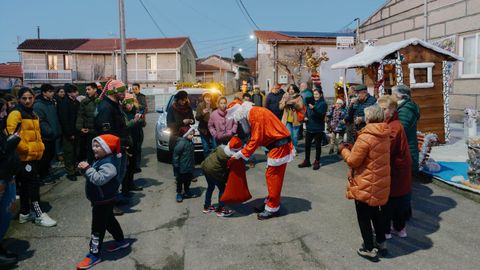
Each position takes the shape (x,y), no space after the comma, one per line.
(317,228)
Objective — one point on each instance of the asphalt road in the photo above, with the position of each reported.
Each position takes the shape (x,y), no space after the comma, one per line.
(317,228)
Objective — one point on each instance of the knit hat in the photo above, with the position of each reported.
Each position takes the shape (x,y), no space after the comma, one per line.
(233,146)
(184,131)
(109,143)
(339,101)
(115,86)
(129,98)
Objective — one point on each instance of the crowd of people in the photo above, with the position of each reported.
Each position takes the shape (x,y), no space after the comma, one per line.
(101,134)
(98,135)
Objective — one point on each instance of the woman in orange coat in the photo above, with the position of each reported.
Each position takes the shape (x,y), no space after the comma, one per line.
(266,130)
(369,179)
(398,206)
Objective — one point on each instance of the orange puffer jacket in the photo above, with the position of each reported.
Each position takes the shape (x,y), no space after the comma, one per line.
(369,161)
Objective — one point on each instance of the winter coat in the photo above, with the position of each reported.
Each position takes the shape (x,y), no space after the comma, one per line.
(46,111)
(67,113)
(296,107)
(307,95)
(273,101)
(175,122)
(142,101)
(316,116)
(86,115)
(110,119)
(9,161)
(135,129)
(258,99)
(215,165)
(409,114)
(358,110)
(202,119)
(102,184)
(220,127)
(31,146)
(336,117)
(400,159)
(183,160)
(369,160)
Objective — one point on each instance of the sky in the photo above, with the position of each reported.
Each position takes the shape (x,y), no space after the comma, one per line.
(214,26)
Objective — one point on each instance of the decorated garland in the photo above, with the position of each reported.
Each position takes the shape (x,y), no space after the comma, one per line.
(425,143)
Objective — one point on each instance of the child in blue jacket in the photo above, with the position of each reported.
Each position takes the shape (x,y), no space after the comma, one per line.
(101,189)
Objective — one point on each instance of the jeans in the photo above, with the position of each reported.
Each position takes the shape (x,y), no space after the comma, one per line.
(183,182)
(318,145)
(7,204)
(208,144)
(368,216)
(103,220)
(210,188)
(293,133)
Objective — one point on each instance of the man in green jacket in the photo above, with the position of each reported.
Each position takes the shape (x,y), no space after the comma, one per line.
(409,114)
(85,123)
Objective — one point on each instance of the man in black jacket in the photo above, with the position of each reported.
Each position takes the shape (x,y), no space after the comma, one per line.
(86,121)
(273,100)
(46,110)
(143,109)
(67,112)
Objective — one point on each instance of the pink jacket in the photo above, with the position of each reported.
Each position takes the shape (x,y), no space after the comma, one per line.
(220,127)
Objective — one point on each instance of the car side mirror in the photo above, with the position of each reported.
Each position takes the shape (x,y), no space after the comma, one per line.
(160,110)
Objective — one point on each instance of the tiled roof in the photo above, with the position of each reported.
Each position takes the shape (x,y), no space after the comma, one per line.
(290,36)
(51,44)
(102,44)
(11,70)
(204,67)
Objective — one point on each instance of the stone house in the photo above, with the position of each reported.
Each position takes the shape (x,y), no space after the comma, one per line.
(153,63)
(228,72)
(451,24)
(10,75)
(277,51)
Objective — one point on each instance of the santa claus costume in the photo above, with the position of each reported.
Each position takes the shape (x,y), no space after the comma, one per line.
(266,130)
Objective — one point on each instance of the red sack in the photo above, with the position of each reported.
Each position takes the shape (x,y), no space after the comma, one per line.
(236,190)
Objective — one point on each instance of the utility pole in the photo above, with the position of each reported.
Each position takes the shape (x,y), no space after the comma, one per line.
(358,30)
(38,32)
(123,55)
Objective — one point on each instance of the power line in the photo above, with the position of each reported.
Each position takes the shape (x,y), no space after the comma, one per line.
(248,14)
(160,12)
(204,15)
(220,39)
(151,17)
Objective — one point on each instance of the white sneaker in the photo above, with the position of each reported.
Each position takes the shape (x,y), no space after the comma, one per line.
(26,218)
(45,221)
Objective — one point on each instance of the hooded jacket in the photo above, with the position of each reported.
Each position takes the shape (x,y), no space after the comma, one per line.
(86,115)
(215,165)
(46,111)
(220,127)
(110,119)
(369,161)
(400,159)
(409,114)
(183,159)
(102,184)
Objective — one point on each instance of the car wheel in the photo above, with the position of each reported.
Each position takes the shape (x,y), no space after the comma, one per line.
(164,156)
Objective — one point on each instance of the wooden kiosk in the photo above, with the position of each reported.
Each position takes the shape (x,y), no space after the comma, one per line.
(424,67)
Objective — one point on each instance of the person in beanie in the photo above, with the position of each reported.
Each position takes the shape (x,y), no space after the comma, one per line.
(101,189)
(183,162)
(408,114)
(46,110)
(30,150)
(215,169)
(67,112)
(85,124)
(336,126)
(369,180)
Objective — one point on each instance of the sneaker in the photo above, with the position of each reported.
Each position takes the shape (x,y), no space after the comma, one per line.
(388,236)
(223,212)
(189,194)
(45,221)
(26,218)
(371,255)
(117,211)
(89,261)
(179,198)
(304,164)
(208,209)
(194,180)
(266,215)
(402,233)
(381,248)
(117,245)
(316,165)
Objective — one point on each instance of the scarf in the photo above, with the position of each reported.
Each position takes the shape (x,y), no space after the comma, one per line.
(183,110)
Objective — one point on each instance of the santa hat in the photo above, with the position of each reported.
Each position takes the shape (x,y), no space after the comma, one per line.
(109,143)
(339,101)
(233,146)
(184,131)
(112,87)
(129,98)
(239,112)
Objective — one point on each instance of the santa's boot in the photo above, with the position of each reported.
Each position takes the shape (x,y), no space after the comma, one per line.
(266,215)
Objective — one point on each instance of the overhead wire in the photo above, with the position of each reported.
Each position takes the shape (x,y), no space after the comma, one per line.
(247,13)
(203,15)
(170,21)
(151,17)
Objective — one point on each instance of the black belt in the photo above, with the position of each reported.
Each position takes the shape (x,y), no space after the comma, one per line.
(279,143)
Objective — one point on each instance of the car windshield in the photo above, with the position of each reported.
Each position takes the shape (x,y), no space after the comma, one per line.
(195,99)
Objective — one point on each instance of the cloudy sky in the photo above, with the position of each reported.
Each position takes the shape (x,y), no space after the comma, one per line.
(215,26)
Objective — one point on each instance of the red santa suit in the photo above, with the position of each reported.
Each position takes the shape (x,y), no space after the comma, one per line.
(267,130)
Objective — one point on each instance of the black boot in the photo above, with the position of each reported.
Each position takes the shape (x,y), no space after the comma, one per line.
(7,259)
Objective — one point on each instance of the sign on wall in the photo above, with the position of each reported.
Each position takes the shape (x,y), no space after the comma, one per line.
(345,42)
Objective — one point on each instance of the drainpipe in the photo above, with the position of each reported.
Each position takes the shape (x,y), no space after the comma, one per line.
(275,56)
(425,20)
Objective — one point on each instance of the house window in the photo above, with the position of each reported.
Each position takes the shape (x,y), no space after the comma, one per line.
(67,62)
(421,75)
(470,51)
(52,62)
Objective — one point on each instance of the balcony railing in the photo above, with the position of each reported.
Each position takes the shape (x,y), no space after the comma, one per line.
(145,75)
(47,75)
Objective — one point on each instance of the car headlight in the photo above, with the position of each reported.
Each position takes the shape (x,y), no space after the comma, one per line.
(166,131)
